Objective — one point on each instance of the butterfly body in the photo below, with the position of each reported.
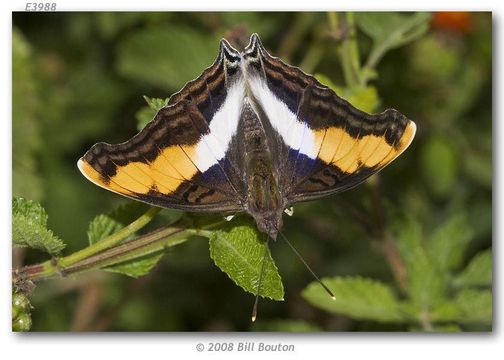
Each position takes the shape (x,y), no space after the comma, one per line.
(265,202)
(251,134)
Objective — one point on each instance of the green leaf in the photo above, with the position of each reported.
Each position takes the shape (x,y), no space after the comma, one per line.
(155,104)
(408,238)
(29,227)
(392,28)
(447,311)
(137,267)
(478,272)
(104,225)
(426,285)
(101,227)
(356,297)
(439,165)
(364,98)
(166,55)
(446,246)
(475,306)
(238,250)
(468,307)
(147,113)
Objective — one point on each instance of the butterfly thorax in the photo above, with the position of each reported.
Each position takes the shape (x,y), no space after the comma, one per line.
(264,199)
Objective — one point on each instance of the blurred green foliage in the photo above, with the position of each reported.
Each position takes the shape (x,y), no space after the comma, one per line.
(409,250)
(435,297)
(26,104)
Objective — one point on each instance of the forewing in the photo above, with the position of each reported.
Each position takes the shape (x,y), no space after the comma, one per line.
(324,144)
(178,160)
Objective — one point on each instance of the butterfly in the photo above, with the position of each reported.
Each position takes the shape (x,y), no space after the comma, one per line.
(251,134)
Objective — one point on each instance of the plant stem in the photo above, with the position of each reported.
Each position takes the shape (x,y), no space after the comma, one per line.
(54,266)
(151,243)
(410,29)
(148,244)
(347,50)
(111,240)
(312,57)
(352,50)
(386,244)
(425,320)
(333,21)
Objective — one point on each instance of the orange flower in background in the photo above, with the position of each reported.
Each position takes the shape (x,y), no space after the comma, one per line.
(456,21)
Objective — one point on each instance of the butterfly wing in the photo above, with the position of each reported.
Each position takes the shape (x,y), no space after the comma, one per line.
(347,153)
(324,144)
(178,160)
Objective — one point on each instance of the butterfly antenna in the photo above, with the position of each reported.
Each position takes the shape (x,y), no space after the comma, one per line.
(306,264)
(261,274)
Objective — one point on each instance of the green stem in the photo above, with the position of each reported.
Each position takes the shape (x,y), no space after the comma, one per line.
(347,49)
(415,26)
(149,244)
(353,50)
(425,321)
(312,57)
(333,21)
(111,240)
(113,253)
(54,266)
(375,56)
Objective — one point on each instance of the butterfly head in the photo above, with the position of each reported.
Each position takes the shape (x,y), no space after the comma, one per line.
(269,222)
